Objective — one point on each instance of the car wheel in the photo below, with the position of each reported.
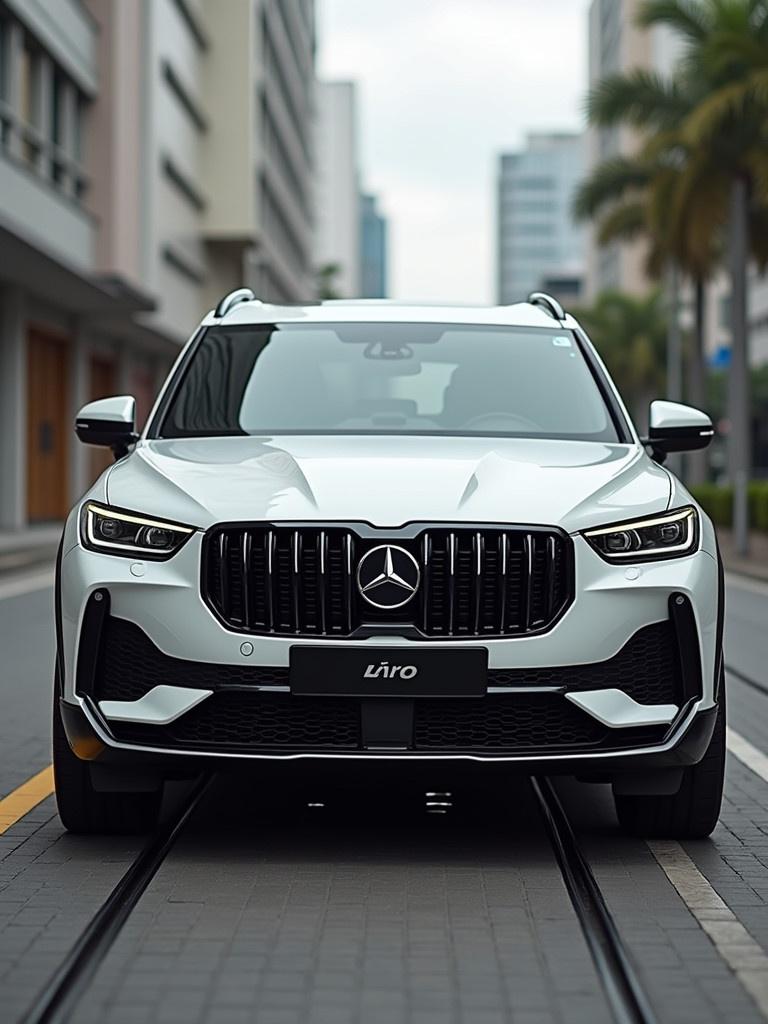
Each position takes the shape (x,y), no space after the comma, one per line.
(692,812)
(83,809)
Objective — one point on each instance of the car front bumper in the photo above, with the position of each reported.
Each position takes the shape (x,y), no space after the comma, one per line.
(612,603)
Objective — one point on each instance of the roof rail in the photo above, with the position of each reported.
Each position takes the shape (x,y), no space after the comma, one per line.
(234,299)
(552,306)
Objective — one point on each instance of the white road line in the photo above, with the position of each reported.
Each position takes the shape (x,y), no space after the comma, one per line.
(728,935)
(748,754)
(26,584)
(755,586)
(730,938)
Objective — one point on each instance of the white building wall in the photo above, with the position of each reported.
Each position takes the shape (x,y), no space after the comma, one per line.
(338,184)
(176,126)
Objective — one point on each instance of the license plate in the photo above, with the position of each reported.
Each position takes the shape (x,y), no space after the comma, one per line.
(388,671)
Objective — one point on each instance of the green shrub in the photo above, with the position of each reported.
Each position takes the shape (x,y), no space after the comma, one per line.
(758,505)
(717,502)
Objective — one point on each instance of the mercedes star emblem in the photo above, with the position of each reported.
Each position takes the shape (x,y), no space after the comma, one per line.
(388,576)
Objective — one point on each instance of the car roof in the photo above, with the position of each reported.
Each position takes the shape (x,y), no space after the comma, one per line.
(521,314)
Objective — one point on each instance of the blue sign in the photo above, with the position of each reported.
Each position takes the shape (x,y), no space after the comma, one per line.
(720,358)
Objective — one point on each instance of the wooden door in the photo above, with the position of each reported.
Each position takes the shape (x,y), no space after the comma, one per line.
(102,384)
(49,429)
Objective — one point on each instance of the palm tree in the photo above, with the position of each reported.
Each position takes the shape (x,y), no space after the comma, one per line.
(630,335)
(647,195)
(326,281)
(727,57)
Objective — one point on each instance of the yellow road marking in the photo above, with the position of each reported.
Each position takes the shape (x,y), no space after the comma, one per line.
(28,795)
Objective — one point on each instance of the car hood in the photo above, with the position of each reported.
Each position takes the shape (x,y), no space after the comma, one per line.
(389,481)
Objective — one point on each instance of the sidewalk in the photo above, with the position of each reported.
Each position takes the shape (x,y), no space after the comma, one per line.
(23,549)
(756,564)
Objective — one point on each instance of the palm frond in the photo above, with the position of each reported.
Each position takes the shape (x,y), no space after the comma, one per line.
(707,120)
(624,223)
(641,98)
(690,18)
(609,182)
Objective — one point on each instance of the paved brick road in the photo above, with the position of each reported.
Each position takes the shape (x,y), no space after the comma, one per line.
(368,913)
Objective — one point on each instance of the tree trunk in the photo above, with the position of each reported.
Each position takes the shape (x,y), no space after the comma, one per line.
(697,463)
(674,351)
(674,343)
(739,439)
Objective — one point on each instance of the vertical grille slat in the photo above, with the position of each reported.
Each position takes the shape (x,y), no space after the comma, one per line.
(292,580)
(246,577)
(503,554)
(321,580)
(348,570)
(550,577)
(452,553)
(478,557)
(296,580)
(426,556)
(224,574)
(529,553)
(269,546)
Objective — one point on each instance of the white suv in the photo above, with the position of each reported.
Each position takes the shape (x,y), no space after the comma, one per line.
(363,532)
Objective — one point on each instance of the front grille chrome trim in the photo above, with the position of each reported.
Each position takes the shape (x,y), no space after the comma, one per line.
(298,580)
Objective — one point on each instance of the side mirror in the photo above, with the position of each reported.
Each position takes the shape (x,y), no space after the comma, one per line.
(677,428)
(108,422)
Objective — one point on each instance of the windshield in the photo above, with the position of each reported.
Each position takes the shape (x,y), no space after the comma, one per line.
(388,378)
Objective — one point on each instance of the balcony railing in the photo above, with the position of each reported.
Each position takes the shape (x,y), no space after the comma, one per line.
(25,144)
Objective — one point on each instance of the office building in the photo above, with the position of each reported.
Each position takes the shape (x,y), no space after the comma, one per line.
(373,249)
(537,238)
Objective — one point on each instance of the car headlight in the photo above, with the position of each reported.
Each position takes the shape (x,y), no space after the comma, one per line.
(115,532)
(670,535)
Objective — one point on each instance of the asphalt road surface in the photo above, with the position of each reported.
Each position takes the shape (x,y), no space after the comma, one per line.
(369,906)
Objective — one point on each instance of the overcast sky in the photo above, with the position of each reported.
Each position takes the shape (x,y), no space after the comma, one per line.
(443,86)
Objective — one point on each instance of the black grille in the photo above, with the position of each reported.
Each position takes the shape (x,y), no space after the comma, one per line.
(241,722)
(129,665)
(647,668)
(543,722)
(238,717)
(301,581)
(256,721)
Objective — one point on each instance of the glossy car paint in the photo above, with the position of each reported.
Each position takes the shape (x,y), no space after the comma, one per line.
(388,482)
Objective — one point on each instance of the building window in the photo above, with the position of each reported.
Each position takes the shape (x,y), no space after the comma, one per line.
(56,128)
(5,118)
(183,184)
(3,60)
(536,229)
(78,142)
(29,82)
(513,205)
(186,100)
(57,104)
(535,184)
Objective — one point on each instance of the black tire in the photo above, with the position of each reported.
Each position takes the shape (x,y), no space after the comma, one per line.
(692,812)
(83,809)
